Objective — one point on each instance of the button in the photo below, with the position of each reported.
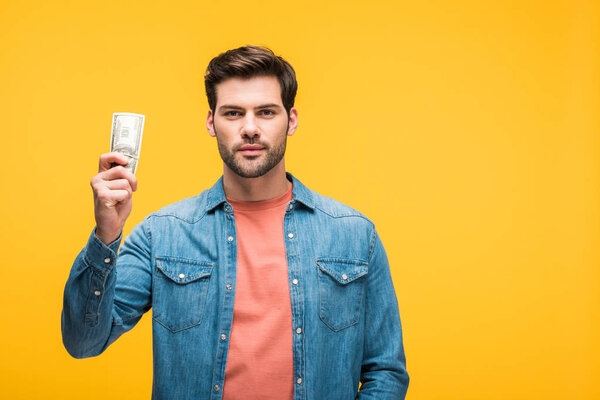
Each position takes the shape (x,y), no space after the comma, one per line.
(298,330)
(344,276)
(230,239)
(107,260)
(290,207)
(217,388)
(227,208)
(295,281)
(228,286)
(181,276)
(290,235)
(299,381)
(223,336)
(97,293)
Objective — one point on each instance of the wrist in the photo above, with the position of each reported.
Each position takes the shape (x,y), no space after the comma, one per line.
(107,237)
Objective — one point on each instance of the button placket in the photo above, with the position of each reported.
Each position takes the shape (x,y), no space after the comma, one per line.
(296,293)
(229,234)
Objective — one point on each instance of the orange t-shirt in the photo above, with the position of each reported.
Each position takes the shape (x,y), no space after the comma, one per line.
(260,358)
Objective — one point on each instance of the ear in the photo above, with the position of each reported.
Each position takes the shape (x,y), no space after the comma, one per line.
(293,123)
(210,123)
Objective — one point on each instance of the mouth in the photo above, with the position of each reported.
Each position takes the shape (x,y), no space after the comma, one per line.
(251,150)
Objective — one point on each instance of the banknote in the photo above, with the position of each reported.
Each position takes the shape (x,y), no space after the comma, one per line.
(126,137)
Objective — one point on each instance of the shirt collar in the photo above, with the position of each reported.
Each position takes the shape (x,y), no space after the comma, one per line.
(300,193)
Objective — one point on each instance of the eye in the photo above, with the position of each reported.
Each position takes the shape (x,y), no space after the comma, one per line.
(268,112)
(232,113)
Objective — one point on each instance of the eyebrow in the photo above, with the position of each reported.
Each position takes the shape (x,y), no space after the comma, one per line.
(233,107)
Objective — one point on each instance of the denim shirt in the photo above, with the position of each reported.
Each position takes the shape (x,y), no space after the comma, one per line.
(181,262)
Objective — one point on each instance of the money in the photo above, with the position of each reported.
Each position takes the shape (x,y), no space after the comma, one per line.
(126,137)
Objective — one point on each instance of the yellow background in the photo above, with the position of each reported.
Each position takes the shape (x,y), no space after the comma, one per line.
(468,131)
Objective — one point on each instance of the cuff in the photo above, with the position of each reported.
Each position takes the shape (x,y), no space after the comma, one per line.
(100,255)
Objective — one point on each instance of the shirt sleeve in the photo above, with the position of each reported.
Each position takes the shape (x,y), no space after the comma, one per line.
(106,293)
(383,371)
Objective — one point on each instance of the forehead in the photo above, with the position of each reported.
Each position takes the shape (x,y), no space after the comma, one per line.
(259,89)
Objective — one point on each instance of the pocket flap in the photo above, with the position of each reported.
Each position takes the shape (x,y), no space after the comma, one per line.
(343,271)
(183,271)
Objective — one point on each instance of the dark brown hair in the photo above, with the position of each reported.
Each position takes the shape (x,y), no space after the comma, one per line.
(249,62)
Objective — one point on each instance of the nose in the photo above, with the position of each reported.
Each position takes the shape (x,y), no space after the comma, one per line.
(249,126)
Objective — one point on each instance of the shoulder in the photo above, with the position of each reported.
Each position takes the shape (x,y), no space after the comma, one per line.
(327,207)
(188,210)
(336,209)
(348,224)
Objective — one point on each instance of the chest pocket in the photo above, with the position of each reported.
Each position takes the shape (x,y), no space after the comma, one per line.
(179,292)
(341,291)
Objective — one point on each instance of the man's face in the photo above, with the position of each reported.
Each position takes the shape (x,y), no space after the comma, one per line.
(251,124)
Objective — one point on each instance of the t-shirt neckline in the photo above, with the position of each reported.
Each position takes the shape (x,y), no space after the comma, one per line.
(282,199)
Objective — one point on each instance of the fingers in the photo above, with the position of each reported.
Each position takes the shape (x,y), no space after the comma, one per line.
(115,190)
(105,198)
(107,160)
(116,173)
(116,196)
(118,184)
(109,192)
(112,185)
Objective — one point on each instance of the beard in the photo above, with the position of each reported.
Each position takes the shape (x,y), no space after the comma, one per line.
(252,166)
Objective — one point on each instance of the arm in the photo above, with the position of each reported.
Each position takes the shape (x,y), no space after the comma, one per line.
(383,372)
(106,294)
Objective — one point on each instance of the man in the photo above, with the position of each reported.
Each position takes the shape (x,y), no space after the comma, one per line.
(260,288)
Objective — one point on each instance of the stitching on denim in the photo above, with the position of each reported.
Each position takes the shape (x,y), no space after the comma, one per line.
(350,278)
(180,329)
(344,216)
(351,261)
(189,221)
(148,233)
(101,270)
(87,301)
(103,291)
(322,311)
(185,261)
(372,243)
(206,265)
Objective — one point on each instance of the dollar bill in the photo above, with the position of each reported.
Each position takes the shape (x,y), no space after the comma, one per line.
(126,137)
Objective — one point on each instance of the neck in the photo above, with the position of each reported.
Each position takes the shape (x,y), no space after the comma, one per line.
(274,183)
